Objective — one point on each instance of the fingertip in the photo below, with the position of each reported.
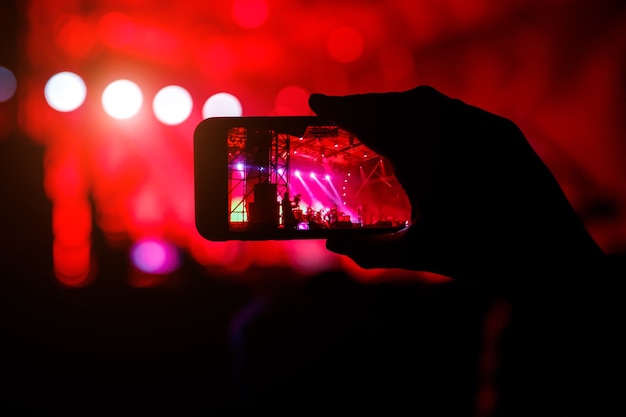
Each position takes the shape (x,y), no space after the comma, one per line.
(316,101)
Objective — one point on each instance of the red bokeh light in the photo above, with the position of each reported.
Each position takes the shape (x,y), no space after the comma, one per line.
(345,44)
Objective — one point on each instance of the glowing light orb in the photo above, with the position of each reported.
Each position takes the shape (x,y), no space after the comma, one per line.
(8,84)
(65,91)
(250,14)
(221,104)
(292,100)
(122,99)
(345,44)
(172,105)
(155,257)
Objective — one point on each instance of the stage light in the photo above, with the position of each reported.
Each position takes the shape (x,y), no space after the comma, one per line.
(172,105)
(8,84)
(312,175)
(240,166)
(155,257)
(327,177)
(122,99)
(297,173)
(65,91)
(222,104)
(280,171)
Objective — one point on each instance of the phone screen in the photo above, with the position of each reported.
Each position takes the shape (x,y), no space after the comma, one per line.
(309,181)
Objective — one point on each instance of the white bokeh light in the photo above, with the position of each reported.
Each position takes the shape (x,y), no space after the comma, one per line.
(65,91)
(172,105)
(122,99)
(221,104)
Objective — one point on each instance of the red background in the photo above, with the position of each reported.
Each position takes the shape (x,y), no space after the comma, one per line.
(554,67)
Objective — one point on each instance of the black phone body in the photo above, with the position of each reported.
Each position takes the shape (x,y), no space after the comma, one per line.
(292,177)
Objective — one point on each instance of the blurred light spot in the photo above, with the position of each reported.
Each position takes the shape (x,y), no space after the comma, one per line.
(65,91)
(71,222)
(115,29)
(155,257)
(8,84)
(396,62)
(72,264)
(172,105)
(221,104)
(71,247)
(250,14)
(76,37)
(122,99)
(311,257)
(345,44)
(292,100)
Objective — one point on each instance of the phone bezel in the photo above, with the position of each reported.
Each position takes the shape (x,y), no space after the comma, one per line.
(211,181)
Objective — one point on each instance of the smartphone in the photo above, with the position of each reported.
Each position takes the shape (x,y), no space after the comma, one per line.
(293,177)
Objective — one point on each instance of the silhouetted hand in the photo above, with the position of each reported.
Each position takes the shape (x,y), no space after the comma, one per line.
(483,203)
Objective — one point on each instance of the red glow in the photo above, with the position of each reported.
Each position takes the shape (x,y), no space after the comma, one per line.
(77,37)
(250,13)
(345,44)
(396,62)
(72,264)
(115,29)
(560,85)
(292,100)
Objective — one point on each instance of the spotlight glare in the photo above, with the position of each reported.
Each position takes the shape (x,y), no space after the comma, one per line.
(221,104)
(297,174)
(327,177)
(172,105)
(65,91)
(122,99)
(312,175)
